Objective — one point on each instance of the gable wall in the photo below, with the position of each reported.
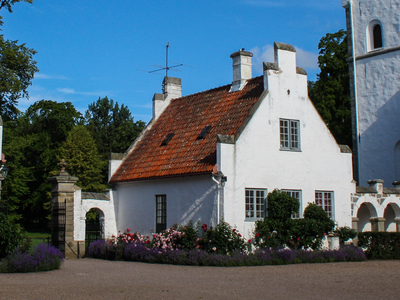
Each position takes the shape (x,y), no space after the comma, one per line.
(259,162)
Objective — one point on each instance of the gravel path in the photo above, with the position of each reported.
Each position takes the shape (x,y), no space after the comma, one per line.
(100,279)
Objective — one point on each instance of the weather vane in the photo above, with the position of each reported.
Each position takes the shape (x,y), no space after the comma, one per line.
(167,66)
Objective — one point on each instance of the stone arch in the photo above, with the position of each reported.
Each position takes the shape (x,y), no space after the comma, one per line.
(365,212)
(390,216)
(397,160)
(374,35)
(94,225)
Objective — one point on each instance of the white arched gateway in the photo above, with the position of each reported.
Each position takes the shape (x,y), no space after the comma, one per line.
(103,204)
(376,208)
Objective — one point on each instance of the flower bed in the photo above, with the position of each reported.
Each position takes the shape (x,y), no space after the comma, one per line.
(220,246)
(42,258)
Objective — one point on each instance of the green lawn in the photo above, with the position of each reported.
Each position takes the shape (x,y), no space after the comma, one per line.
(38,237)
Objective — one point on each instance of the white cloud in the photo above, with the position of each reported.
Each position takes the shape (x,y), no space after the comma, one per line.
(305,59)
(46,76)
(73,92)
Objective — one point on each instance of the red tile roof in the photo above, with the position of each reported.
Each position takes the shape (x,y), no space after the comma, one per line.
(186,117)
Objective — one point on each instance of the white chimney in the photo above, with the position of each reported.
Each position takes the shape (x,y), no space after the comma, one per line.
(241,63)
(172,88)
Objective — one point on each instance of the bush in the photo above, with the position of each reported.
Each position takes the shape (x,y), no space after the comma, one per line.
(279,230)
(42,258)
(11,235)
(380,245)
(345,233)
(97,249)
(223,239)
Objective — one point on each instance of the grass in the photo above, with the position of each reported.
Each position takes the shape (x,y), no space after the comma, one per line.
(38,237)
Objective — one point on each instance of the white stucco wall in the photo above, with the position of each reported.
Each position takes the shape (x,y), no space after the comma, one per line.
(378,89)
(259,163)
(188,198)
(82,206)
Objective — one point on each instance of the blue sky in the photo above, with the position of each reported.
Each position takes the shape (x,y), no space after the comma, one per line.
(95,48)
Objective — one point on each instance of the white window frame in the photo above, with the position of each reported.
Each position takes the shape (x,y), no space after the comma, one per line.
(255,210)
(371,36)
(289,133)
(295,194)
(326,200)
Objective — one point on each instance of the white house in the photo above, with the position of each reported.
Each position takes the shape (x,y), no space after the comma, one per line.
(216,154)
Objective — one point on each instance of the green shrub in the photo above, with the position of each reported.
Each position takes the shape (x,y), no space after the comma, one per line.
(11,235)
(345,233)
(279,229)
(380,245)
(222,239)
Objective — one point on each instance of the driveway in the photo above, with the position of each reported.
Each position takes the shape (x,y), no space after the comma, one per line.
(100,279)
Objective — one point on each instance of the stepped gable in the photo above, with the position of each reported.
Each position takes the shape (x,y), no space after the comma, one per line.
(172,146)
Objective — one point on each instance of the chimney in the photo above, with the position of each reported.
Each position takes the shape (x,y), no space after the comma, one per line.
(241,63)
(172,88)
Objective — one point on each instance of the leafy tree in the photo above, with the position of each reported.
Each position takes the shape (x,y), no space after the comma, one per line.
(17,69)
(330,93)
(31,145)
(80,152)
(111,125)
(11,235)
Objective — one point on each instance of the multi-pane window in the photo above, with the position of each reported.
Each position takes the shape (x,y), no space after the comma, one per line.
(161,212)
(325,200)
(295,194)
(255,203)
(290,134)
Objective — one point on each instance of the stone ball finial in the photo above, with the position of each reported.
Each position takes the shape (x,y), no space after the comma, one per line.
(62,164)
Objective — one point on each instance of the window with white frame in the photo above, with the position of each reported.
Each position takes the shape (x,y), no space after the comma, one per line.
(255,203)
(374,35)
(161,212)
(325,199)
(289,134)
(295,194)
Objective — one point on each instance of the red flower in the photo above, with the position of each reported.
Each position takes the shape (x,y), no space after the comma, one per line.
(233,229)
(325,233)
(249,241)
(127,230)
(257,234)
(204,226)
(298,239)
(239,235)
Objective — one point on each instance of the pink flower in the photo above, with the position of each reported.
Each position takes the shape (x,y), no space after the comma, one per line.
(127,230)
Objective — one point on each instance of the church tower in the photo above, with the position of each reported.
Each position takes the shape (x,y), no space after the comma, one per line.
(373,28)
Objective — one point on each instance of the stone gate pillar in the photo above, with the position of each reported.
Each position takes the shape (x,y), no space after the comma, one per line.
(62,211)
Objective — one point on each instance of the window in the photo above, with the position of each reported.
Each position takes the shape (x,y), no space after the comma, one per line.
(377,34)
(374,35)
(161,212)
(255,203)
(295,194)
(325,200)
(290,134)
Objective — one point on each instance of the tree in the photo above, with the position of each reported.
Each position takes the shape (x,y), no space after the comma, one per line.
(330,93)
(32,143)
(17,69)
(80,152)
(112,126)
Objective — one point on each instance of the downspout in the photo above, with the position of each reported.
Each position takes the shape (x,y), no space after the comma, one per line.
(218,182)
(355,90)
(221,183)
